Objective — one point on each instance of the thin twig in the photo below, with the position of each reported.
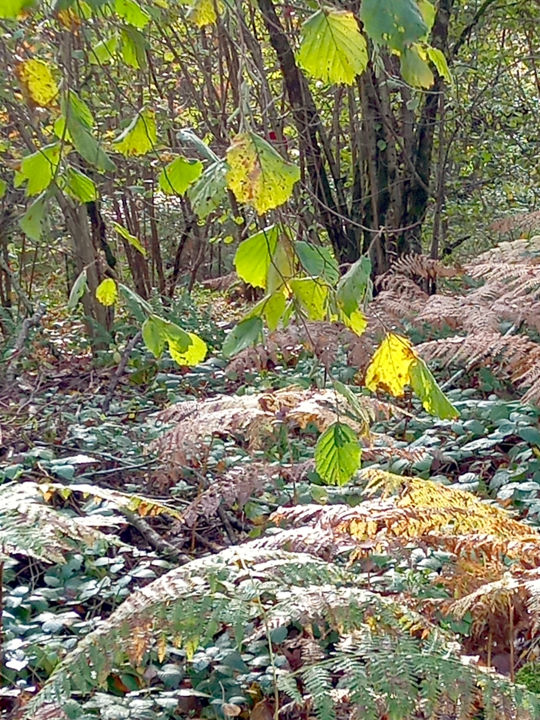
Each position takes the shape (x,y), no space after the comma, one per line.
(120,371)
(155,540)
(27,325)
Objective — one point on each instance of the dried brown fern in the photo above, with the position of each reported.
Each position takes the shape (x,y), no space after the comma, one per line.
(250,420)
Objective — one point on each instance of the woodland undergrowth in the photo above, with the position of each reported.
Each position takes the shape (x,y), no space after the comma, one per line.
(179,555)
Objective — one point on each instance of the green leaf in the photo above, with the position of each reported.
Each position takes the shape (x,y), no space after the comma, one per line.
(107,292)
(190,356)
(210,189)
(354,285)
(30,222)
(281,268)
(187,136)
(271,307)
(258,175)
(134,48)
(178,175)
(39,169)
(78,109)
(136,299)
(139,137)
(132,13)
(428,12)
(437,58)
(415,68)
(530,435)
(80,286)
(426,387)
(103,52)
(245,334)
(396,23)
(254,255)
(80,186)
(317,261)
(274,308)
(332,48)
(13,8)
(132,240)
(78,118)
(153,335)
(3,188)
(337,454)
(312,295)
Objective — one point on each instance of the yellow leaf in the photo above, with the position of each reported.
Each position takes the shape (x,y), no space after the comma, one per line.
(37,79)
(204,12)
(356,321)
(107,292)
(193,355)
(258,175)
(390,367)
(162,648)
(139,137)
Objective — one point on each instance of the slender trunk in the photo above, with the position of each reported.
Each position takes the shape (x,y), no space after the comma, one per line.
(308,127)
(418,194)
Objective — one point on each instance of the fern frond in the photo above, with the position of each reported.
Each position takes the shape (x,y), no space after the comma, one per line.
(30,527)
(524,222)
(250,420)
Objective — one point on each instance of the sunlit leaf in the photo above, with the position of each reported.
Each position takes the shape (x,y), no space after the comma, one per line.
(104,51)
(39,169)
(107,292)
(390,366)
(133,48)
(178,175)
(37,78)
(428,12)
(312,294)
(337,454)
(437,58)
(271,307)
(192,355)
(80,286)
(132,240)
(356,321)
(31,222)
(204,12)
(13,8)
(282,266)
(426,387)
(32,219)
(132,12)
(254,255)
(332,48)
(258,175)
(153,336)
(245,334)
(140,135)
(396,23)
(80,186)
(274,308)
(415,68)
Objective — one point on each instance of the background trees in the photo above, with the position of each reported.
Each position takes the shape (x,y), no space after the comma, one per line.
(394,149)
